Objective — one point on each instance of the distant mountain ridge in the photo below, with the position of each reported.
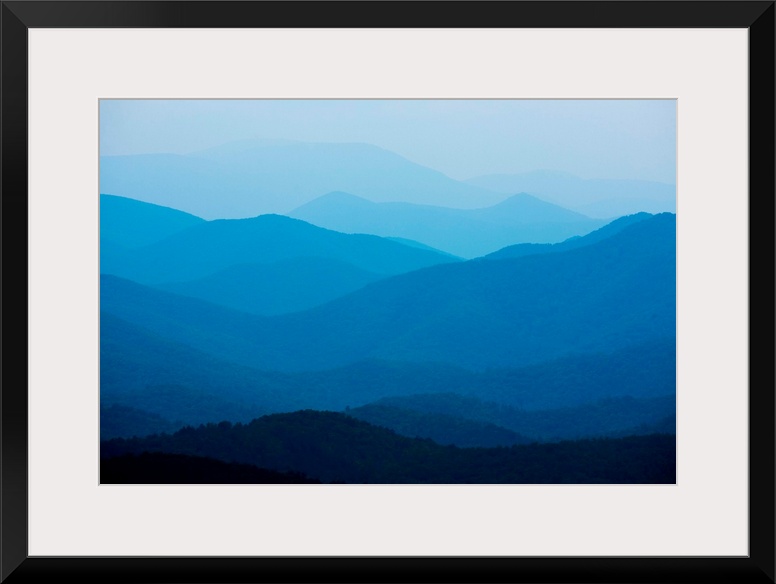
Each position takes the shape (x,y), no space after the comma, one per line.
(250,178)
(263,265)
(602,198)
(463,232)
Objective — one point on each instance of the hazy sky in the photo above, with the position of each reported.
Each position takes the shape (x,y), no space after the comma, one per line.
(634,139)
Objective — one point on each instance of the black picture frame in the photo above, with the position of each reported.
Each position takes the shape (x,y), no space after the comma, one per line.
(19,16)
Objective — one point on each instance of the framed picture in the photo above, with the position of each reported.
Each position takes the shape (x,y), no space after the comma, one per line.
(97,97)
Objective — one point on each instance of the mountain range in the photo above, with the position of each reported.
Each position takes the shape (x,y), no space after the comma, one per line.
(501,313)
(212,246)
(463,232)
(253,177)
(145,371)
(262,265)
(525,249)
(449,418)
(129,223)
(279,287)
(333,447)
(386,356)
(602,198)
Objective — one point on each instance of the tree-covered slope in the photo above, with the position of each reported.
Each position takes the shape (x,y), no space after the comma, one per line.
(441,428)
(469,421)
(159,468)
(336,447)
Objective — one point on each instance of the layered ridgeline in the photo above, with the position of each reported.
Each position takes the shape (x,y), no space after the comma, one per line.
(464,232)
(449,418)
(253,177)
(263,265)
(526,249)
(334,447)
(171,469)
(212,246)
(479,314)
(556,342)
(592,197)
(157,385)
(128,223)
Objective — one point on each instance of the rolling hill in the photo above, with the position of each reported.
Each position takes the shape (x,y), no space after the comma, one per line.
(594,197)
(335,447)
(156,377)
(213,246)
(131,223)
(146,372)
(478,314)
(276,288)
(524,249)
(468,421)
(178,469)
(463,232)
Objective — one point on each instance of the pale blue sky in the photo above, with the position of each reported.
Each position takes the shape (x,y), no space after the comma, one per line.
(620,139)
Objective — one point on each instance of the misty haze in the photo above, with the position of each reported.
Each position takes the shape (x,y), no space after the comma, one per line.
(378,291)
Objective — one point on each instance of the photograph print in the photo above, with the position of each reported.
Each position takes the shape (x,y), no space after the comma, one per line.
(408,291)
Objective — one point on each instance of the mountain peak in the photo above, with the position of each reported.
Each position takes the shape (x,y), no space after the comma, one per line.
(338,202)
(525,207)
(525,200)
(342,196)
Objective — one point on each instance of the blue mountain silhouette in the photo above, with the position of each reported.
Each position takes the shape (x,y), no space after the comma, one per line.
(593,197)
(524,249)
(464,232)
(253,177)
(131,223)
(478,314)
(213,246)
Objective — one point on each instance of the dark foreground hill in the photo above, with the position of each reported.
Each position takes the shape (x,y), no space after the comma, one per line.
(159,468)
(335,447)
